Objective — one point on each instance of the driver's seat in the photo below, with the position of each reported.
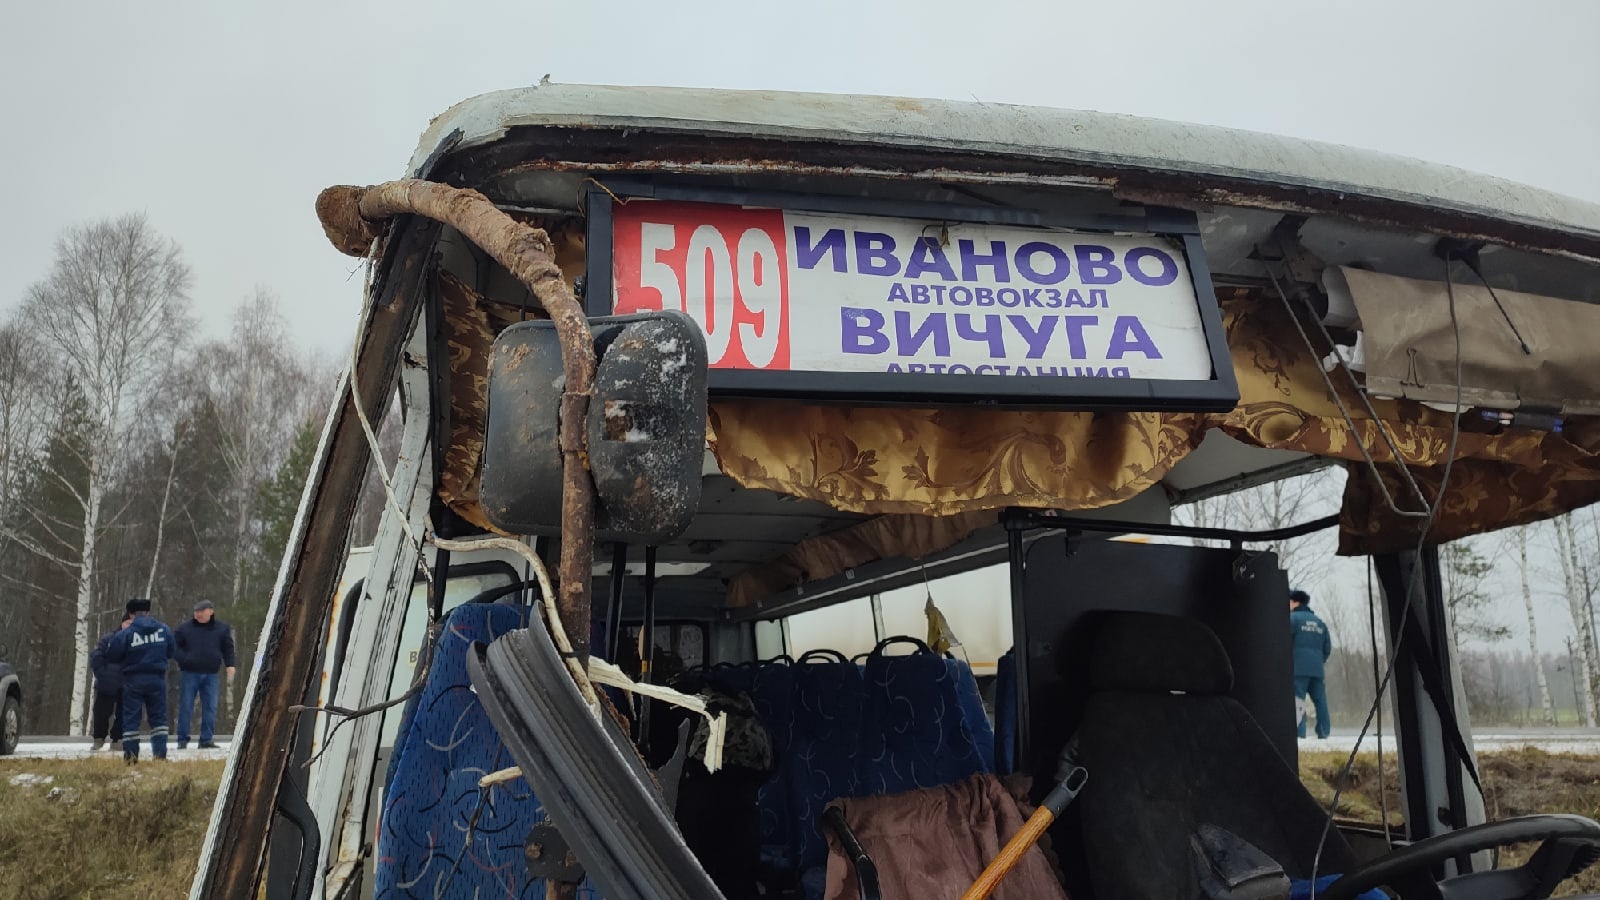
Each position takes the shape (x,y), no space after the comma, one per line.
(1168,752)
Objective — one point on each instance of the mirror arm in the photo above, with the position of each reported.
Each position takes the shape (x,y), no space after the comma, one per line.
(353,217)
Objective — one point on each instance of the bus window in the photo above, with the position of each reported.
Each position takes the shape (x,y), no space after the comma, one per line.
(770,640)
(976,605)
(845,627)
(679,646)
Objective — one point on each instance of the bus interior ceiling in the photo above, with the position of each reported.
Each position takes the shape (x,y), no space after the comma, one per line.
(740,530)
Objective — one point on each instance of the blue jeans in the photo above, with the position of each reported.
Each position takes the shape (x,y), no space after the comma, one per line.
(205,686)
(146,695)
(1307,685)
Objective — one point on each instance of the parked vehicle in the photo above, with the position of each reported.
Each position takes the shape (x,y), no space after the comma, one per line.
(10,709)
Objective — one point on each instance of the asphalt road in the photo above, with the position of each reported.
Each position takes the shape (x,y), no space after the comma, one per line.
(1583,741)
(80,748)
(1557,740)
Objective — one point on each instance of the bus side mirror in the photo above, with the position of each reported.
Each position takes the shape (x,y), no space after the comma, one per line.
(646,428)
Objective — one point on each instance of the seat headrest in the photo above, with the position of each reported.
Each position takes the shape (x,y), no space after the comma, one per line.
(1150,652)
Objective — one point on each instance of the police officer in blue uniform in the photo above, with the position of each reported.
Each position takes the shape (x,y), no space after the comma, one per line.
(143,649)
(1312,646)
(106,717)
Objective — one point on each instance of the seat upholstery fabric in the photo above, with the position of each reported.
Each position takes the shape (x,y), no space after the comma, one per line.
(1005,713)
(821,762)
(839,729)
(428,842)
(1162,764)
(771,687)
(909,731)
(1153,652)
(973,716)
(934,842)
(915,734)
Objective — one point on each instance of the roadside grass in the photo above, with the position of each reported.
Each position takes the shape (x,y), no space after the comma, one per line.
(101,828)
(1515,783)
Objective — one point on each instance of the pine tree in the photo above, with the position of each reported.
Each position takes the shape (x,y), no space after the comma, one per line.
(276,503)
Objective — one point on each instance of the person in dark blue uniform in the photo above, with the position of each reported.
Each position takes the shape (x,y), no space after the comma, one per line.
(143,650)
(106,718)
(1312,646)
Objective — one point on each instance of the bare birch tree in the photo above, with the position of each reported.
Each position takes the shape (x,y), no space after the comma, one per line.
(176,447)
(1520,538)
(259,388)
(24,410)
(1573,580)
(171,428)
(1277,504)
(24,396)
(114,308)
(1591,583)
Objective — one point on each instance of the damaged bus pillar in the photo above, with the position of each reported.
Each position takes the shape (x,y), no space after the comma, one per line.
(352,218)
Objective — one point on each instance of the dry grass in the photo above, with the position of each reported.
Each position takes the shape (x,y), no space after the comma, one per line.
(1516,783)
(1360,799)
(114,831)
(109,831)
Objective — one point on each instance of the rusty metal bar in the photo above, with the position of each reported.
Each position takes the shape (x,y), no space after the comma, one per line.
(351,217)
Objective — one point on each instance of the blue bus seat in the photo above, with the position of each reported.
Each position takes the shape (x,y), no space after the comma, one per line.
(440,834)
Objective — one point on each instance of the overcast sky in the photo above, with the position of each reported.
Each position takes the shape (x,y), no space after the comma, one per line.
(222,123)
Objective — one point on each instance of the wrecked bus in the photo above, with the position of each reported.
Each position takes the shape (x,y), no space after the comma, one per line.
(672,366)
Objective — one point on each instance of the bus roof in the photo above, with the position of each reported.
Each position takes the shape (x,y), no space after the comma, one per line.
(776,528)
(1210,164)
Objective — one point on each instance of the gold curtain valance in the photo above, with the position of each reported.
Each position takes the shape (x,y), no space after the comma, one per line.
(962,464)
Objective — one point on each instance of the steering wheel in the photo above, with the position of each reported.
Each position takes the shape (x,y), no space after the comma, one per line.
(1570,845)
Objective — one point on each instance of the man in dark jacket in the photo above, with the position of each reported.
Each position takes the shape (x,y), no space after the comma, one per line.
(205,644)
(143,650)
(1312,645)
(106,720)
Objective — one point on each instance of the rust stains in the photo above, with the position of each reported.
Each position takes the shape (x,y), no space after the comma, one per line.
(600,150)
(348,217)
(338,211)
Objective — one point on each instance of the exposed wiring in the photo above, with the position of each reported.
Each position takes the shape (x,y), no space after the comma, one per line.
(717,723)
(1472,263)
(620,201)
(441,886)
(1411,590)
(347,715)
(1372,632)
(604,673)
(1350,422)
(500,776)
(366,423)
(547,595)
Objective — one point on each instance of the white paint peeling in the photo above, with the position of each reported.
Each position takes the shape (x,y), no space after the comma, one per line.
(1106,141)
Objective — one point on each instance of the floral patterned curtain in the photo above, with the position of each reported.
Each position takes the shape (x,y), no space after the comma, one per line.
(940,462)
(935,476)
